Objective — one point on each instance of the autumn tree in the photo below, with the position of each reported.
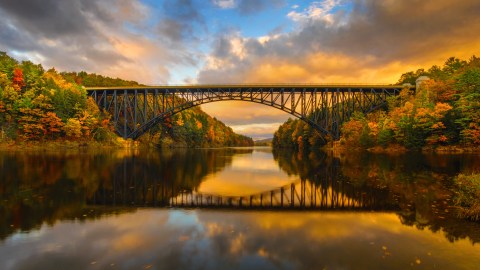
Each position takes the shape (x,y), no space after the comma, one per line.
(52,125)
(18,81)
(73,129)
(468,105)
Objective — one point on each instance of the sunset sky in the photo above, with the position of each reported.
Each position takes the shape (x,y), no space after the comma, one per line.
(241,41)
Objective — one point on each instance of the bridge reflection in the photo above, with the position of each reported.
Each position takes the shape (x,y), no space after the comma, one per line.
(317,187)
(323,194)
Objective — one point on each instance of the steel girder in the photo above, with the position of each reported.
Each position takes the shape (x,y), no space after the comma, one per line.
(135,110)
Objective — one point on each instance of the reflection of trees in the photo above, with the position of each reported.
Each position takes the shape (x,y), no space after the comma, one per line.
(420,186)
(303,164)
(151,178)
(29,190)
(45,187)
(325,171)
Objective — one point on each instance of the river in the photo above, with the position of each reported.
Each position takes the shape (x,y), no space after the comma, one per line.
(232,208)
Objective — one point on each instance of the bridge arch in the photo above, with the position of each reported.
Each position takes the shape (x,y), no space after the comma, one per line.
(135,110)
(161,117)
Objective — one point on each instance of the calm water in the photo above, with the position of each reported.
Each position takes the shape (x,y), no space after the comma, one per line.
(235,208)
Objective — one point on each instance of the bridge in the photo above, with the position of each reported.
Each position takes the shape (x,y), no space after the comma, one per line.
(303,194)
(327,189)
(320,194)
(136,109)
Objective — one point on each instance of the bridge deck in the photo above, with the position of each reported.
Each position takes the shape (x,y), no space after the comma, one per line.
(239,87)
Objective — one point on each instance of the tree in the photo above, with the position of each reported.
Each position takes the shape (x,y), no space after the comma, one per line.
(73,129)
(411,76)
(7,64)
(18,81)
(452,65)
(468,105)
(52,125)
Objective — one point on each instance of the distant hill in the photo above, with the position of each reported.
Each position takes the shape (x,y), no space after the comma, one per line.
(263,142)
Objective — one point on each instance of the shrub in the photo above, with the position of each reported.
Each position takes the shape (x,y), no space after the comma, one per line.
(467,195)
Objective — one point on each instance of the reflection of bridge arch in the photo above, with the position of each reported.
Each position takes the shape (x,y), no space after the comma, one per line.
(303,194)
(135,182)
(324,107)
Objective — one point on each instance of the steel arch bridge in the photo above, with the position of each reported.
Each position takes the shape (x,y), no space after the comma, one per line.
(303,194)
(135,110)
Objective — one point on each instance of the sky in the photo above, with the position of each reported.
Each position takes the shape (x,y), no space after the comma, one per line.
(241,41)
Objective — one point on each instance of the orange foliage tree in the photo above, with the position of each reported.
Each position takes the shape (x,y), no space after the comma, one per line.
(18,81)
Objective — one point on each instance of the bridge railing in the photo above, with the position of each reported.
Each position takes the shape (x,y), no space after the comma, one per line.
(248,85)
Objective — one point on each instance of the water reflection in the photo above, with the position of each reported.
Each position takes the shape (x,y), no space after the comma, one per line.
(421,186)
(162,239)
(249,173)
(43,188)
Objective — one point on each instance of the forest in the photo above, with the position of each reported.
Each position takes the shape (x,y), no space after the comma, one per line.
(443,112)
(38,105)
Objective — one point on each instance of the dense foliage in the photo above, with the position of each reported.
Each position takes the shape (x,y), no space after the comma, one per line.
(444,111)
(467,196)
(91,80)
(297,134)
(47,105)
(42,105)
(195,128)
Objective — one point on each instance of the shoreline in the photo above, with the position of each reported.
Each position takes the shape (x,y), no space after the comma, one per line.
(401,150)
(120,143)
(66,145)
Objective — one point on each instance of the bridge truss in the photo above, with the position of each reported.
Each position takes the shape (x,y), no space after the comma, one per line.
(299,195)
(135,110)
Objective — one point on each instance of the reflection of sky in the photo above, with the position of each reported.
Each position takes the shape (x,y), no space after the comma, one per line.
(166,239)
(248,174)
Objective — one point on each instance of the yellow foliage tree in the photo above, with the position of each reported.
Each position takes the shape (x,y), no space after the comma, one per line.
(73,128)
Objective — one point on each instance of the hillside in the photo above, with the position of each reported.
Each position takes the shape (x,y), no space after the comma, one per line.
(194,128)
(443,113)
(264,142)
(39,105)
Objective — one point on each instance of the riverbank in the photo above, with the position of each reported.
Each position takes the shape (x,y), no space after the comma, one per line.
(396,149)
(117,143)
(467,195)
(61,145)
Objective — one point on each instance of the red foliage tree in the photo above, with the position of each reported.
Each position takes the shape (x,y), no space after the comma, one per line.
(17,81)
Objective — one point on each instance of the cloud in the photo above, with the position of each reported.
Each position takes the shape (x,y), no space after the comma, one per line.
(225,4)
(316,11)
(257,131)
(248,7)
(181,20)
(243,113)
(106,37)
(57,30)
(334,41)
